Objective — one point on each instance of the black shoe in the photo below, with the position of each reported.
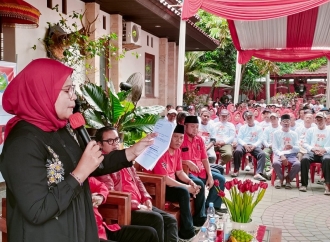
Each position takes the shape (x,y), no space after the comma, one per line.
(221,210)
(199,222)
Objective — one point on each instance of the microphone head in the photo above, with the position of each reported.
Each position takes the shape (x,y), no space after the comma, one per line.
(76,120)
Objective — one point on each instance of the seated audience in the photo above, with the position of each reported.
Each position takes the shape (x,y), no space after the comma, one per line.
(301,132)
(317,144)
(127,180)
(206,131)
(249,140)
(179,186)
(267,140)
(224,134)
(193,154)
(285,147)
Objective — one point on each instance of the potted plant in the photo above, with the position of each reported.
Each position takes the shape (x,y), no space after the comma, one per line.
(243,198)
(115,109)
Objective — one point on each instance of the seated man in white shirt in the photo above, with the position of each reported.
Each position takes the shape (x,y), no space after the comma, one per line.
(301,132)
(249,139)
(267,141)
(317,144)
(224,134)
(205,130)
(285,148)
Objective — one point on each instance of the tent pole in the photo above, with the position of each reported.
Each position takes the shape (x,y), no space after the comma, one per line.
(237,79)
(182,47)
(328,86)
(268,88)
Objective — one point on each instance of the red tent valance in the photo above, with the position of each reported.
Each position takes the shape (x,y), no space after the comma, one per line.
(249,9)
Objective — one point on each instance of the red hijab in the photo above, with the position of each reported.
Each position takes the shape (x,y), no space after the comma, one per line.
(32,94)
(237,118)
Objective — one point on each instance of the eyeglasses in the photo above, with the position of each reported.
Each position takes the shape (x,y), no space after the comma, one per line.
(112,141)
(70,91)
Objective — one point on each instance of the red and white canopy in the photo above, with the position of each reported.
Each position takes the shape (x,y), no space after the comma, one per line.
(276,30)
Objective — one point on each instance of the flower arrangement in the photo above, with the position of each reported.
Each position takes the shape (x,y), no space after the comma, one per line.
(244,196)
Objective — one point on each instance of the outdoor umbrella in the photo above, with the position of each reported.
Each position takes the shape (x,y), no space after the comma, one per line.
(17,13)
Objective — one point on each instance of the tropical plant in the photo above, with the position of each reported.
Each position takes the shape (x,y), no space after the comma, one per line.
(114,109)
(251,86)
(198,71)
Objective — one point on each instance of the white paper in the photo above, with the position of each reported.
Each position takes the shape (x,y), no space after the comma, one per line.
(149,157)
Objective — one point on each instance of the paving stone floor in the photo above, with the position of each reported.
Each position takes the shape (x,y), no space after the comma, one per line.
(302,216)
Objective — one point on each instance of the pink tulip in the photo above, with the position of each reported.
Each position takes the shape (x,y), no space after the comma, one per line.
(221,194)
(216,183)
(228,185)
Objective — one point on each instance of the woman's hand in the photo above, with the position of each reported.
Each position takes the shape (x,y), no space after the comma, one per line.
(89,161)
(135,150)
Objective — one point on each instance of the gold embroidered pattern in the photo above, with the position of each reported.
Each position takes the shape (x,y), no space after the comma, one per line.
(55,170)
(68,127)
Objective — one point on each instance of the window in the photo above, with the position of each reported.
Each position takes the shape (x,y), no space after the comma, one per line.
(147,40)
(152,42)
(49,4)
(149,75)
(104,22)
(64,6)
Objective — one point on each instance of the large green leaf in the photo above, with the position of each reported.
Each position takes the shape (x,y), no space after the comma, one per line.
(117,109)
(145,123)
(93,118)
(96,98)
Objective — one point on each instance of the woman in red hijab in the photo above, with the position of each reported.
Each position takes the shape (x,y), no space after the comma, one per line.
(44,162)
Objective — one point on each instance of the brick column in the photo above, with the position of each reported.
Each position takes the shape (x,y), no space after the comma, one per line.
(172,73)
(163,71)
(116,26)
(92,11)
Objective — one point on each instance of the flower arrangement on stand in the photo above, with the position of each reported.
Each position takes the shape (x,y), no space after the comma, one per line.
(243,198)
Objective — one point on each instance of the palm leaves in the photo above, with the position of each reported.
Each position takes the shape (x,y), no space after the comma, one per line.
(197,70)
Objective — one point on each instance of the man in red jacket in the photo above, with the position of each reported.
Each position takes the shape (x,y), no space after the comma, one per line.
(127,180)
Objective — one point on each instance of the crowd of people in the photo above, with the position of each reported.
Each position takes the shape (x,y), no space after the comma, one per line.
(55,184)
(294,134)
(54,181)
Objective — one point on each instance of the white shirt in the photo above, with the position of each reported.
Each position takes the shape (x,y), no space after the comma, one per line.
(250,135)
(281,139)
(267,138)
(319,138)
(224,131)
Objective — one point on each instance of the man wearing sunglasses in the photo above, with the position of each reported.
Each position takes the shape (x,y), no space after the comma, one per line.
(127,180)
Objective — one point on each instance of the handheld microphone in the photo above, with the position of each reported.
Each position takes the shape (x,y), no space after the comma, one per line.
(77,122)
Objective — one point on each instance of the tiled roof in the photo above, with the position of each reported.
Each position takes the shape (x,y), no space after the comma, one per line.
(177,10)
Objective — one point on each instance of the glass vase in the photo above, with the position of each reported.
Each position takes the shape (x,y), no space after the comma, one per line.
(243,232)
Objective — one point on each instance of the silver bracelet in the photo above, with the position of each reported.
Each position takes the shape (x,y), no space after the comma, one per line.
(77,178)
